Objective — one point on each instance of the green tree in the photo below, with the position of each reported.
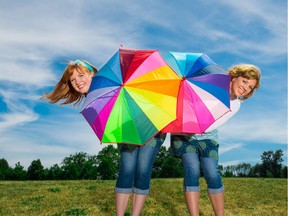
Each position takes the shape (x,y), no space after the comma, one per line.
(35,170)
(243,169)
(90,168)
(55,173)
(284,172)
(74,166)
(108,163)
(18,173)
(160,158)
(171,168)
(271,163)
(255,170)
(229,171)
(4,169)
(277,163)
(166,165)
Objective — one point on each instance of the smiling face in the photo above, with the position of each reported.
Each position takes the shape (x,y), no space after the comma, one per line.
(245,80)
(81,80)
(241,86)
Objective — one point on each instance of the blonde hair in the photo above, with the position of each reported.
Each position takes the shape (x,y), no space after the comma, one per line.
(247,71)
(64,90)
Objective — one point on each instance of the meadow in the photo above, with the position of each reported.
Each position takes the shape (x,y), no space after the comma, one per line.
(243,196)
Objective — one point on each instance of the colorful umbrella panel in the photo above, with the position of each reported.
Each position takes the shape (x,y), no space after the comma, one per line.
(203,95)
(132,97)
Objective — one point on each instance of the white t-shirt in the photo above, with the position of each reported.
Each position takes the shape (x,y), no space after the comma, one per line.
(234,108)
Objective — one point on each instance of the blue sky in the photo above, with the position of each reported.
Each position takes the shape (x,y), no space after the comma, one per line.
(37,38)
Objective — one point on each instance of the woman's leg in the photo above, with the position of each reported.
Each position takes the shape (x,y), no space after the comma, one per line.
(121,201)
(217,201)
(125,180)
(138,201)
(145,161)
(215,186)
(191,166)
(192,202)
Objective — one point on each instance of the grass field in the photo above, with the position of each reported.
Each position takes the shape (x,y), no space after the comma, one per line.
(243,196)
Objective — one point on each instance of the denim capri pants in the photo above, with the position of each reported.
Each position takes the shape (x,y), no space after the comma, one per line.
(199,151)
(136,166)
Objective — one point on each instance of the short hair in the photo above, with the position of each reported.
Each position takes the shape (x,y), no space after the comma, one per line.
(247,71)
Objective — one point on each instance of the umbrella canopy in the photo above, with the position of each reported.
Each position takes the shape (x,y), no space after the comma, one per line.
(132,97)
(203,94)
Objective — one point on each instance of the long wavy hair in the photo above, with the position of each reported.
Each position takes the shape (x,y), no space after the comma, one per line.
(64,90)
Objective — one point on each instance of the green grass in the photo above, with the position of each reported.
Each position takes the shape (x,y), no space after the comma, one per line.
(243,196)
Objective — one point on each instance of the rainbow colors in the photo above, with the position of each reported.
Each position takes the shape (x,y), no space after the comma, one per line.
(132,97)
(203,95)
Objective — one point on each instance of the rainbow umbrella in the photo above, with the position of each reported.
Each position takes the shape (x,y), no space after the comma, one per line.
(203,94)
(132,97)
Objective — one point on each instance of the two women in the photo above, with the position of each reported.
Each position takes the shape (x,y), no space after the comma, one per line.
(136,162)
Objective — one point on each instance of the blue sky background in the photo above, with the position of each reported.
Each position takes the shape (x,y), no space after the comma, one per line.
(38,37)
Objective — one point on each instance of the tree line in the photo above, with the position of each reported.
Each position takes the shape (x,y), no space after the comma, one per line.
(105,165)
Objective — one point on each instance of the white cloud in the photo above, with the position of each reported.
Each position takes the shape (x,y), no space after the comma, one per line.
(16,119)
(268,130)
(19,113)
(229,147)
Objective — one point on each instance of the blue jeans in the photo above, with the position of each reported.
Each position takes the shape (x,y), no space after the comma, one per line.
(195,151)
(136,167)
(191,164)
